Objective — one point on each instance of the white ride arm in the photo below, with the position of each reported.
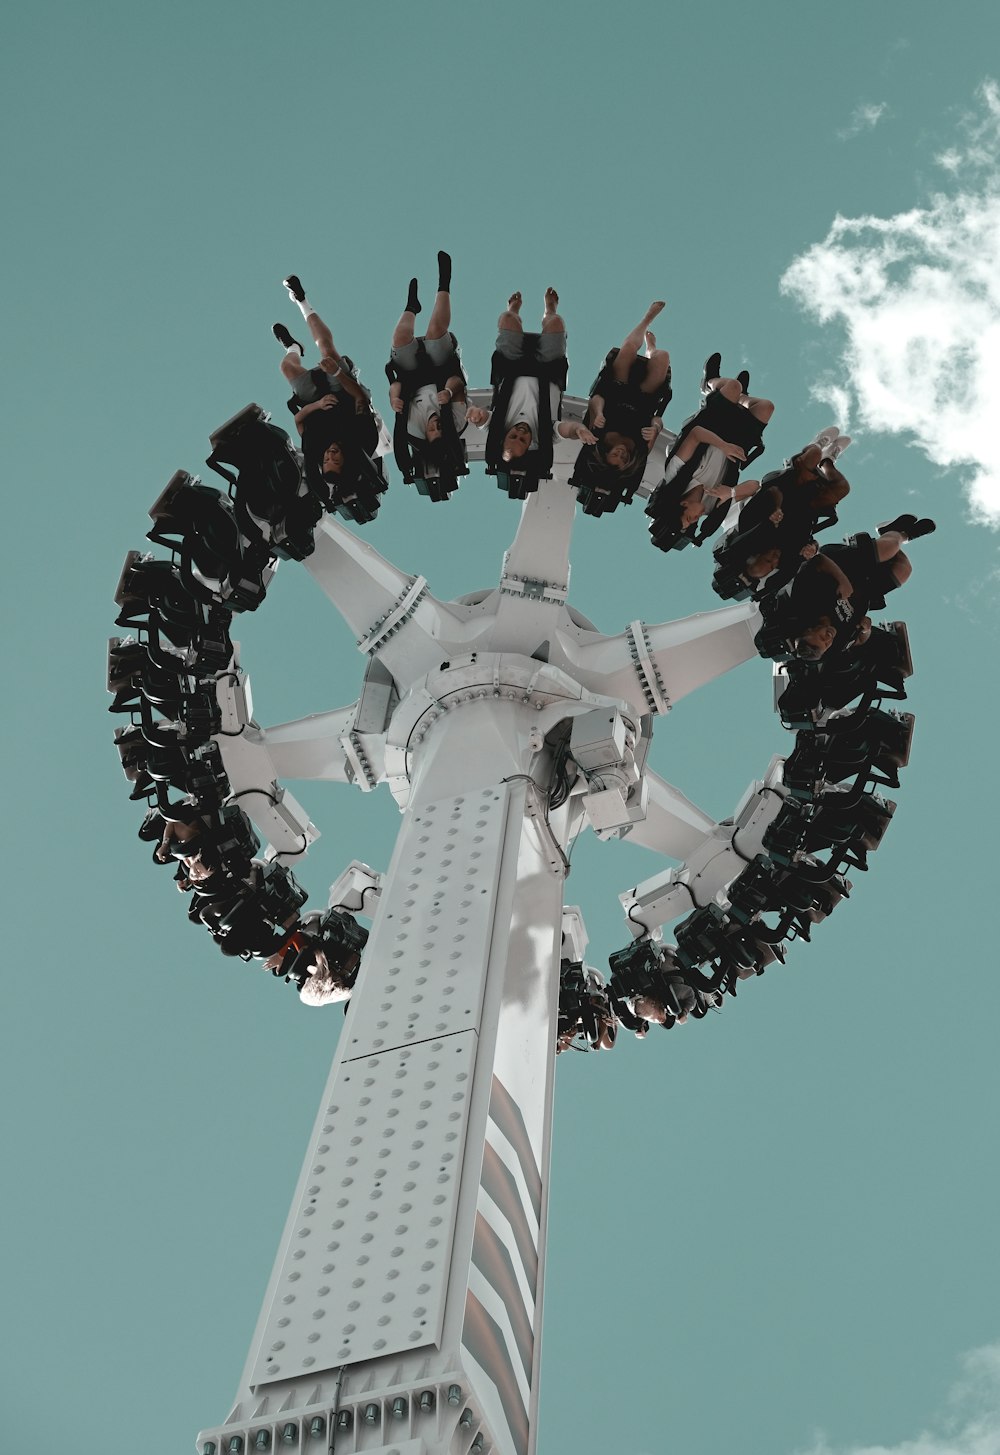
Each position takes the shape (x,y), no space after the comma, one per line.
(673,825)
(310,747)
(538,559)
(277,816)
(722,854)
(655,666)
(389,612)
(279,819)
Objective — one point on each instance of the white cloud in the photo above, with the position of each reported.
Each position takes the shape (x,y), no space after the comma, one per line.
(971,1425)
(863,118)
(918,296)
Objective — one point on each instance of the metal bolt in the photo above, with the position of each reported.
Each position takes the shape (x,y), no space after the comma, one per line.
(289,1433)
(236,1445)
(466,1418)
(208,1448)
(345,1420)
(454,1394)
(477,1444)
(262,1440)
(426,1400)
(317,1425)
(399,1408)
(371,1414)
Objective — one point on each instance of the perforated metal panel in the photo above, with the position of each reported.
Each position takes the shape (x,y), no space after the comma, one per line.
(368,1270)
(430,949)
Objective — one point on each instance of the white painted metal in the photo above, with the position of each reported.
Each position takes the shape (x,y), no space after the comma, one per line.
(673,825)
(574,933)
(312,746)
(403,1313)
(709,868)
(358,889)
(408,1256)
(278,817)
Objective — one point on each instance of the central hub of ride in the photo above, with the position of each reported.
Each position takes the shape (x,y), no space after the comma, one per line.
(567,741)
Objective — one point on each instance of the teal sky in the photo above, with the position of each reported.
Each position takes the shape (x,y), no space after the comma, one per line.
(776,1222)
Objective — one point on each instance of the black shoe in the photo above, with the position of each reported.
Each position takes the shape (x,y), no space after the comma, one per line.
(295,288)
(923,527)
(712,370)
(902,523)
(743,380)
(285,339)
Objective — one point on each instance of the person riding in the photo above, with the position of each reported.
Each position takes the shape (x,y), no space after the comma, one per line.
(776,528)
(805,493)
(427,393)
(824,608)
(625,414)
(341,434)
(704,463)
(528,375)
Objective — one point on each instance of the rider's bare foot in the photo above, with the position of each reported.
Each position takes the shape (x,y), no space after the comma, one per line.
(551,301)
(650,342)
(653,310)
(514,302)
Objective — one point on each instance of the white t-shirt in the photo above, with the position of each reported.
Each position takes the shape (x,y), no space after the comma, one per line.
(423,405)
(523,407)
(709,471)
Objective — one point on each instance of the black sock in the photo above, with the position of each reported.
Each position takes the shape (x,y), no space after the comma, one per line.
(444,272)
(412,301)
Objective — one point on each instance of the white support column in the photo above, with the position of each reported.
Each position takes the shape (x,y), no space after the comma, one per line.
(413,1256)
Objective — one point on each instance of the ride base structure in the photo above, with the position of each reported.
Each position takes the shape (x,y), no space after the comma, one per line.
(403,1312)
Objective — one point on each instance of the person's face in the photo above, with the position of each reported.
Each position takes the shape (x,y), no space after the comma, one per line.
(819,639)
(617,451)
(333,460)
(433,429)
(649,1010)
(516,442)
(760,566)
(690,510)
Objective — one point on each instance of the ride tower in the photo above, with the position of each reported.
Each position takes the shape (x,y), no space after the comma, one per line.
(403,1312)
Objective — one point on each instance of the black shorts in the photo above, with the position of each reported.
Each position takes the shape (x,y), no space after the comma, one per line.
(871,578)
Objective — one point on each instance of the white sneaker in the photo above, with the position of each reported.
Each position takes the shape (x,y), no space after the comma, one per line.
(827,437)
(834,451)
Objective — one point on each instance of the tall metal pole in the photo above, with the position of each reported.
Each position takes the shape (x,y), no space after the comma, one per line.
(413,1256)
